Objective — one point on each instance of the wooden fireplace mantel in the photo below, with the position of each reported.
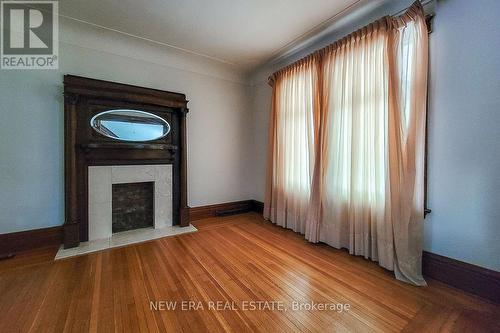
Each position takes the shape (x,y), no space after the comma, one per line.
(83,147)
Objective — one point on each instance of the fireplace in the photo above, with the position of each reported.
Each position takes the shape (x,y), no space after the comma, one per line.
(132,206)
(106,145)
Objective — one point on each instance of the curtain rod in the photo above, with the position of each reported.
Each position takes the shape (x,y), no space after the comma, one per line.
(422,2)
(428,19)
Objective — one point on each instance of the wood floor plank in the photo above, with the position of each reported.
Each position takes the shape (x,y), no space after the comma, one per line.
(229,263)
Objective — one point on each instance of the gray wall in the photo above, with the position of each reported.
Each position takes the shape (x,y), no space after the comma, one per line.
(464,133)
(464,128)
(31,122)
(261,104)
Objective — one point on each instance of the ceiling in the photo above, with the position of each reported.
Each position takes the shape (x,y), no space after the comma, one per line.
(245,33)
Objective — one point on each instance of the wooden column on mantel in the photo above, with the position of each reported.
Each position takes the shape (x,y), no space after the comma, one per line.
(83,99)
(72,223)
(184,209)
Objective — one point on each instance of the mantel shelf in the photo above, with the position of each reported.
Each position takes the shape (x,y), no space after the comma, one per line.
(129,145)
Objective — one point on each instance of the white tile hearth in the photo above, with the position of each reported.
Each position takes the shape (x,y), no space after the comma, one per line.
(122,239)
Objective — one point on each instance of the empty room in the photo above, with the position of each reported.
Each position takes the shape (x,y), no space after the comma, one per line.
(249,166)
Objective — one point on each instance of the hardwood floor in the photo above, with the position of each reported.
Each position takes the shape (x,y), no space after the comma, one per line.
(233,260)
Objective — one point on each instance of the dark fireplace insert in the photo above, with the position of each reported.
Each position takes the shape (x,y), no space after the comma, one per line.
(132,206)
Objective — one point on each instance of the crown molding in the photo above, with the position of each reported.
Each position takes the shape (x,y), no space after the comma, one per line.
(87,36)
(324,28)
(352,18)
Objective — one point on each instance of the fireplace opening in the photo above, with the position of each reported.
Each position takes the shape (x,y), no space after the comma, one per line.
(132,206)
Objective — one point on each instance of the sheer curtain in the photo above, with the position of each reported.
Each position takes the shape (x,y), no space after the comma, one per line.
(408,62)
(292,140)
(355,133)
(364,103)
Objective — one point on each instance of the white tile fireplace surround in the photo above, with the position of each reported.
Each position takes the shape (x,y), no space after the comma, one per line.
(100,181)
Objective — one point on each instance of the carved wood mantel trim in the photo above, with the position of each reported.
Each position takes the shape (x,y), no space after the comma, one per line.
(84,98)
(71,225)
(184,209)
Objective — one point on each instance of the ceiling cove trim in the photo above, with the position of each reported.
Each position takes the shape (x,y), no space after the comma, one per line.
(313,34)
(348,15)
(143,38)
(222,77)
(232,73)
(151,40)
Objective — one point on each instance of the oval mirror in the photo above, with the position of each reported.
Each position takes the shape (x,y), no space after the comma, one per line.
(130,125)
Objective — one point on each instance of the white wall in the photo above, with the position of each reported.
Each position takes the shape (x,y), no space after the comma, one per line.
(464,133)
(464,127)
(261,104)
(31,121)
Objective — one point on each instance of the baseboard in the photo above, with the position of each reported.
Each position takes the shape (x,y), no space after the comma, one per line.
(258,206)
(31,239)
(227,208)
(476,280)
(202,212)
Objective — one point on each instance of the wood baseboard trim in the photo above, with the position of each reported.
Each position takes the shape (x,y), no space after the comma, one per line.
(258,206)
(227,208)
(31,239)
(476,280)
